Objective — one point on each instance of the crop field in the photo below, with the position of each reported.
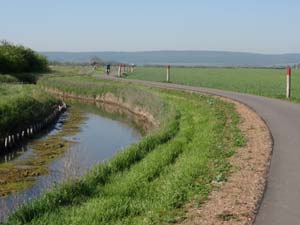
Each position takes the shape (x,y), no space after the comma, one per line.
(264,82)
(151,181)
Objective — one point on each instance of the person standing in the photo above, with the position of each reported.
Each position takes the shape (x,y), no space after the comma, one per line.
(107,69)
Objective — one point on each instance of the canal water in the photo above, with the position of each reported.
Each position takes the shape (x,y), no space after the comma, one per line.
(104,131)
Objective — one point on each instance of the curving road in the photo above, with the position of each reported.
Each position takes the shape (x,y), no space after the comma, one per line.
(281,202)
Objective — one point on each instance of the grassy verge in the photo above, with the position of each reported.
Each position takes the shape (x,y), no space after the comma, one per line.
(265,82)
(149,182)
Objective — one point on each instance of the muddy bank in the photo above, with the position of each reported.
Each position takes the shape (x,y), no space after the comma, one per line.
(19,169)
(84,136)
(21,135)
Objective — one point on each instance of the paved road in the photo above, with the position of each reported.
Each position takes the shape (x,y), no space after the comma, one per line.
(281,203)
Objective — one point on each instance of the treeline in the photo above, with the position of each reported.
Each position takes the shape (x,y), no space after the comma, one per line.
(18,59)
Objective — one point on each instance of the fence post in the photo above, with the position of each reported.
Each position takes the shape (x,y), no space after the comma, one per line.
(288,82)
(168,73)
(119,71)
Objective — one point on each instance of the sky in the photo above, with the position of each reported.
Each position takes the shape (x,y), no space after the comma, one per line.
(262,26)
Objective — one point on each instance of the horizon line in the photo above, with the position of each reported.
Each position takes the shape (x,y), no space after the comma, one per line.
(147,51)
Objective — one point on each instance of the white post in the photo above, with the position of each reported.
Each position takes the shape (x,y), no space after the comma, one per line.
(288,82)
(119,71)
(168,73)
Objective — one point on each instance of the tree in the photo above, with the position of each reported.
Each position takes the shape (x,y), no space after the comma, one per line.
(18,59)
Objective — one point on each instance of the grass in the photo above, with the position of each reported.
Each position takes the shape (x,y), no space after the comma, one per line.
(265,82)
(149,182)
(4,78)
(68,71)
(21,106)
(90,86)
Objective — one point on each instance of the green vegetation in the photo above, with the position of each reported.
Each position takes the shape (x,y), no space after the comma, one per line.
(149,182)
(265,82)
(21,106)
(74,70)
(21,62)
(8,79)
(18,59)
(19,175)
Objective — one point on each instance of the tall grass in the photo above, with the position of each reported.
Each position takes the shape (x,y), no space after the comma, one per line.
(89,86)
(21,106)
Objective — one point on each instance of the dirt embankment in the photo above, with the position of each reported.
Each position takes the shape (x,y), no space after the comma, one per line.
(110,98)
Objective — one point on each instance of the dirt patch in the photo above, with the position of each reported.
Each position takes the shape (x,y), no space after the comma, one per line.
(237,200)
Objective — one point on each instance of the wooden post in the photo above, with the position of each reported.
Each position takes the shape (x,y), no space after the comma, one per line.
(119,71)
(168,73)
(288,82)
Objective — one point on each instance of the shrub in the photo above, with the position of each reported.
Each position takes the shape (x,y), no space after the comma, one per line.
(18,59)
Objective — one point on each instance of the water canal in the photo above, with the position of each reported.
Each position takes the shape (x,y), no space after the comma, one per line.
(87,134)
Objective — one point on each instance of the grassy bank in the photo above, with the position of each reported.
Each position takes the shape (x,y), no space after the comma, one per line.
(149,182)
(265,82)
(21,106)
(19,175)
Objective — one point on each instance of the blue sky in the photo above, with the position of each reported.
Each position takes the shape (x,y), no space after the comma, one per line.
(265,26)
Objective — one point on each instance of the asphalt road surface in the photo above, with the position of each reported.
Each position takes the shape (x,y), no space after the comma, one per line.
(281,202)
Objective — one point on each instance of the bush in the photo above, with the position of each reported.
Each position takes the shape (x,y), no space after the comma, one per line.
(18,59)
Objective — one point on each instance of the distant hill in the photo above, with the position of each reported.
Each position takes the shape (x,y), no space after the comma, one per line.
(188,58)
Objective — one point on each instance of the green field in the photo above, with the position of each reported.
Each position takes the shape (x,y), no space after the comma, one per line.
(265,82)
(148,182)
